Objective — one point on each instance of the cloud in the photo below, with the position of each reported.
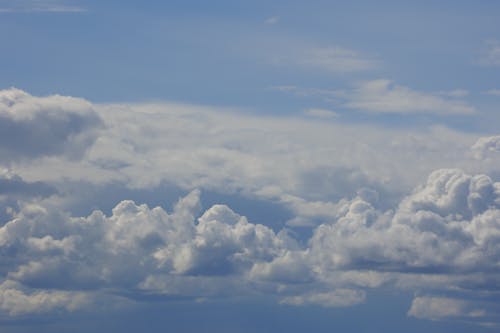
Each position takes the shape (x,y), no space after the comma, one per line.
(272,20)
(17,300)
(32,127)
(14,187)
(488,146)
(336,298)
(493,92)
(441,307)
(321,113)
(382,96)
(336,60)
(447,226)
(355,187)
(455,93)
(51,6)
(45,250)
(491,53)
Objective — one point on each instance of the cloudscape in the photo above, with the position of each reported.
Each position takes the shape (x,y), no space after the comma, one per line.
(249,167)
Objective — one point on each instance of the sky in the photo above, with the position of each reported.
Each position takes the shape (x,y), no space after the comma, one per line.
(237,166)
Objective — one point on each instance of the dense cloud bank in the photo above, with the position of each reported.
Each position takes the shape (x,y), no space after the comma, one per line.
(380,209)
(445,236)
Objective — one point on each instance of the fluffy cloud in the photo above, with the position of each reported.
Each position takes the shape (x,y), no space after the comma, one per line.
(32,127)
(351,185)
(449,227)
(43,248)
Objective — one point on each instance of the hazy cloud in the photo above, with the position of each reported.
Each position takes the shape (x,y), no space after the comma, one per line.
(52,6)
(491,53)
(382,96)
(336,60)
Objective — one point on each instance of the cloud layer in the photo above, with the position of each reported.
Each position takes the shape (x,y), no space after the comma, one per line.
(380,208)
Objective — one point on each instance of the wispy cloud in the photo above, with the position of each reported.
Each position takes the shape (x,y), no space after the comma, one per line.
(336,59)
(321,113)
(382,96)
(491,53)
(493,92)
(272,20)
(53,6)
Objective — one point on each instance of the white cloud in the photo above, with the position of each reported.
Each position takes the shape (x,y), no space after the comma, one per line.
(33,127)
(16,300)
(442,307)
(335,298)
(336,60)
(382,96)
(352,182)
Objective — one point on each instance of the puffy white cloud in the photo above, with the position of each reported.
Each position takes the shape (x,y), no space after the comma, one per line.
(443,236)
(135,247)
(350,181)
(437,228)
(38,126)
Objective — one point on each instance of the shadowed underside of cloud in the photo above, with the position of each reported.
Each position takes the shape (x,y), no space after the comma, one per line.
(32,127)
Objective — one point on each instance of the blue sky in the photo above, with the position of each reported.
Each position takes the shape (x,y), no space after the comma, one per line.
(249,166)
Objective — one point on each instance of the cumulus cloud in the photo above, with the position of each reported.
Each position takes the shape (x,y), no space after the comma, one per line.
(32,127)
(350,184)
(439,228)
(449,226)
(45,249)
